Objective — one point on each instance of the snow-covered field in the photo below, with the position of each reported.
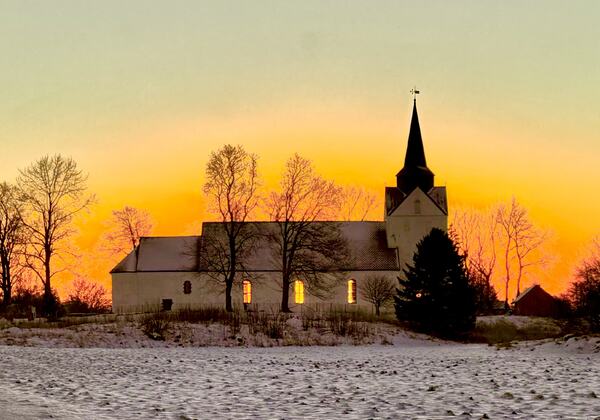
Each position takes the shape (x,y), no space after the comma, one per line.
(415,379)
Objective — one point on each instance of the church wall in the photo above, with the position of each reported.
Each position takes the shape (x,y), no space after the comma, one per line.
(144,291)
(410,222)
(407,231)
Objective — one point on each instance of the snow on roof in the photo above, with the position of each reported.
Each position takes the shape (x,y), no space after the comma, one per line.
(366,240)
(167,253)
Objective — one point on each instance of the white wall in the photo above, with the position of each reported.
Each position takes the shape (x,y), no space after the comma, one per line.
(410,222)
(144,291)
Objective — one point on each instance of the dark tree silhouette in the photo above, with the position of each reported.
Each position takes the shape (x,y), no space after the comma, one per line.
(585,290)
(378,290)
(12,237)
(231,184)
(485,294)
(304,246)
(53,189)
(435,295)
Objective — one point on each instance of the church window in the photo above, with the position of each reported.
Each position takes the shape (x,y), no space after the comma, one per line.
(187,287)
(351,291)
(417,206)
(247,291)
(299,291)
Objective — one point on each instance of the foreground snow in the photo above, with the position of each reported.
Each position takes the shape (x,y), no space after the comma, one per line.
(412,379)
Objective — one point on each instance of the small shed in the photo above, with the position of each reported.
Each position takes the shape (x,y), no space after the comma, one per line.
(535,301)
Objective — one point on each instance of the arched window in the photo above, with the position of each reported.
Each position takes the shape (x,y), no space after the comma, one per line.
(247,291)
(299,291)
(187,287)
(351,291)
(417,206)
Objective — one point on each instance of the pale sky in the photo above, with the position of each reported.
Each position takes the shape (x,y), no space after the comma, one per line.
(140,92)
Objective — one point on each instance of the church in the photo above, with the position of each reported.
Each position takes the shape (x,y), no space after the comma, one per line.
(165,273)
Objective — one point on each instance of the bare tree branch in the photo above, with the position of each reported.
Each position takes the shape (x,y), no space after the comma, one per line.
(231,185)
(126,227)
(378,290)
(53,190)
(303,245)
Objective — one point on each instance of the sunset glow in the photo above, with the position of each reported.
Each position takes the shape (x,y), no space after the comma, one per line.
(139,95)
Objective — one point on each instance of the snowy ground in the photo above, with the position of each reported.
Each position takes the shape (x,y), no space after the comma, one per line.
(411,379)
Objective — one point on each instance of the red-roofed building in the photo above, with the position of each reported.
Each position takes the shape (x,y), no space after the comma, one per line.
(535,301)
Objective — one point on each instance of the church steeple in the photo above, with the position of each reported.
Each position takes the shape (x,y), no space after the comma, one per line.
(415,172)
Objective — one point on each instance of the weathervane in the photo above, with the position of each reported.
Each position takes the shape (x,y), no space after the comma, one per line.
(414,92)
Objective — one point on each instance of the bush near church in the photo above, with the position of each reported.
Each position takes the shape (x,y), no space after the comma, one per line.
(435,295)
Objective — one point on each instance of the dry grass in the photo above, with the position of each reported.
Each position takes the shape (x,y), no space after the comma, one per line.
(502,332)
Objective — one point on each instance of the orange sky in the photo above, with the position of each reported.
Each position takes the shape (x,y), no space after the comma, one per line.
(509,104)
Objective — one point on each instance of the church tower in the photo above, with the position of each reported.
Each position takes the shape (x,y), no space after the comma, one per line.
(414,206)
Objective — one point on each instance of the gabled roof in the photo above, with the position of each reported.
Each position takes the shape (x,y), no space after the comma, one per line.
(397,197)
(530,289)
(367,242)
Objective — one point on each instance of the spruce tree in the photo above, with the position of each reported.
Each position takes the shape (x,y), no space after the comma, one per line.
(435,295)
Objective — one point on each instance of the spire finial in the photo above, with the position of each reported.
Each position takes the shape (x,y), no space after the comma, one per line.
(414,92)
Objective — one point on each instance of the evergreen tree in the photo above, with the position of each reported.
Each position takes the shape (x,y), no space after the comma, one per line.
(435,295)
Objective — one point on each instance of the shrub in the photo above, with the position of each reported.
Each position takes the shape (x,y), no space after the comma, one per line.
(87,297)
(156,326)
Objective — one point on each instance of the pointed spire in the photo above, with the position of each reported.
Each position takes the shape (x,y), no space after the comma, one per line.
(415,172)
(415,152)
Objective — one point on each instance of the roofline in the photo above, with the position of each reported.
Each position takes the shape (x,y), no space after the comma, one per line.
(292,221)
(409,194)
(171,236)
(252,271)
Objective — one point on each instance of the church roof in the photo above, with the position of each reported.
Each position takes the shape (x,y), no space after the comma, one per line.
(367,242)
(415,152)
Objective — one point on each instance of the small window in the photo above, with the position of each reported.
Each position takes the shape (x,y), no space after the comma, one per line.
(351,291)
(417,206)
(299,291)
(167,304)
(187,287)
(247,291)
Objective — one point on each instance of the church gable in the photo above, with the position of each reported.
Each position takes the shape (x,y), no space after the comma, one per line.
(418,203)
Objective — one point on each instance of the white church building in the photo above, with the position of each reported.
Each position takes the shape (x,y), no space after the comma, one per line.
(168,273)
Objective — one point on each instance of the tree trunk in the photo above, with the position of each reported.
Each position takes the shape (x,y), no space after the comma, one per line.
(228,287)
(285,296)
(232,271)
(5,285)
(47,275)
(377,310)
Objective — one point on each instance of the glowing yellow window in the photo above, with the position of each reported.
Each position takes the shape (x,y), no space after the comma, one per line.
(299,291)
(247,290)
(351,291)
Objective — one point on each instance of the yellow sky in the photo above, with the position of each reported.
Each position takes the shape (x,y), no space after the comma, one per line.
(140,93)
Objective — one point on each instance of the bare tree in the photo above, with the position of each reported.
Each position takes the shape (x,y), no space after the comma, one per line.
(87,296)
(520,240)
(231,184)
(12,237)
(378,290)
(477,234)
(356,203)
(53,189)
(305,245)
(127,226)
